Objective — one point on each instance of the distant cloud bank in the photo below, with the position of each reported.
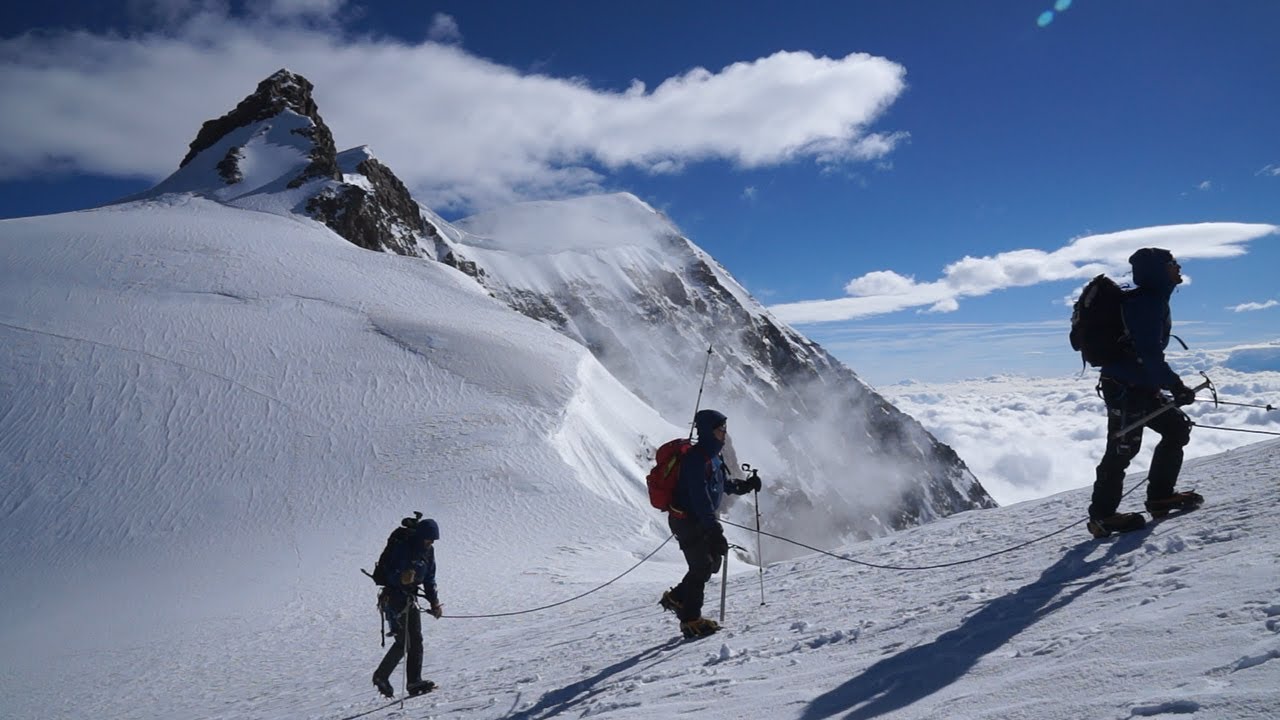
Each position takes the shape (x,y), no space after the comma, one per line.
(1027,437)
(462,131)
(1246,307)
(885,291)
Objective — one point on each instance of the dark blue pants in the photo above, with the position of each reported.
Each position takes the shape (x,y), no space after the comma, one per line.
(406,627)
(695,543)
(1125,404)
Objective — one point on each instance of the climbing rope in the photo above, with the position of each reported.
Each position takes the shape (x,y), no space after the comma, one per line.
(1243,430)
(569,600)
(924,567)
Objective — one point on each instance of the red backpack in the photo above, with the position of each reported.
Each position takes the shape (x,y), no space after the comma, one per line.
(665,474)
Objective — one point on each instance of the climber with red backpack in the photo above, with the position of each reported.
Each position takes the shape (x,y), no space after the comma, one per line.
(694,478)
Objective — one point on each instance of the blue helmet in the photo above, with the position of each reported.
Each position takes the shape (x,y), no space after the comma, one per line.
(708,420)
(426,529)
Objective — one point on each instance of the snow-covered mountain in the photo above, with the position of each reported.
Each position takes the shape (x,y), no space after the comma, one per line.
(208,412)
(617,277)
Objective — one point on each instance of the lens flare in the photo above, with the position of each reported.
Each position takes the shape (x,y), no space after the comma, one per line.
(1045,18)
(1061,5)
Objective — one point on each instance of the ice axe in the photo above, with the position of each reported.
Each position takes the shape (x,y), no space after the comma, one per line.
(1145,418)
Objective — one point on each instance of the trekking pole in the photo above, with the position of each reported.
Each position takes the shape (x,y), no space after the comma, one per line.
(759,554)
(724,583)
(702,384)
(1143,420)
(412,604)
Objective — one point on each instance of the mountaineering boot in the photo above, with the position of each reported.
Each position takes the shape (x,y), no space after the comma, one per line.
(699,627)
(668,602)
(384,686)
(1184,501)
(421,687)
(1118,523)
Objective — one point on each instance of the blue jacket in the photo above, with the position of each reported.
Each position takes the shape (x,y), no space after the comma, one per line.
(421,559)
(703,482)
(1148,322)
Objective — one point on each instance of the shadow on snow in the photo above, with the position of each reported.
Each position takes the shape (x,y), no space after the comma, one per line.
(557,701)
(916,673)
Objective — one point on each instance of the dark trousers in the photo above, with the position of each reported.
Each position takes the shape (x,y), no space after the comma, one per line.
(1126,404)
(695,543)
(399,621)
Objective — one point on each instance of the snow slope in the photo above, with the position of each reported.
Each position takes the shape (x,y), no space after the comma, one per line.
(211,412)
(1179,620)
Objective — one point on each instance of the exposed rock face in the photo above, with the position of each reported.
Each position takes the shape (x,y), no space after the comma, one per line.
(229,165)
(282,91)
(357,196)
(386,218)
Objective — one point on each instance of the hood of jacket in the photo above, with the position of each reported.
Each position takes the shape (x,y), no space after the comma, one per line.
(1151,268)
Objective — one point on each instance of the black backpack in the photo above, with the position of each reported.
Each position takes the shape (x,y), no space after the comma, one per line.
(1098,331)
(398,536)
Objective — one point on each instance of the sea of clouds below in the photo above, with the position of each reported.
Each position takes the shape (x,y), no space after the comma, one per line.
(1027,438)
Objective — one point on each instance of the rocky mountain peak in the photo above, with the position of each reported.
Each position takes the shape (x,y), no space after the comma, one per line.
(283,90)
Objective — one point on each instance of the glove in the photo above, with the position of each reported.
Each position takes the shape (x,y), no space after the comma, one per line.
(436,610)
(752,483)
(716,541)
(1183,395)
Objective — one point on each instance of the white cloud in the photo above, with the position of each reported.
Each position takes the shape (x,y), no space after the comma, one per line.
(1246,307)
(750,193)
(944,306)
(458,129)
(1272,170)
(881,282)
(444,29)
(1206,185)
(884,291)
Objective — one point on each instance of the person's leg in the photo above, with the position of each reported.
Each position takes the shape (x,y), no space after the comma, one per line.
(393,610)
(1123,407)
(413,667)
(1174,428)
(702,565)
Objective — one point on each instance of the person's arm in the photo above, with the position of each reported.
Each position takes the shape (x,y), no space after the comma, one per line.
(429,584)
(429,578)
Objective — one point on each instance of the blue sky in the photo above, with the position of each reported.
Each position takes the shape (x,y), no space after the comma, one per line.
(851,154)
